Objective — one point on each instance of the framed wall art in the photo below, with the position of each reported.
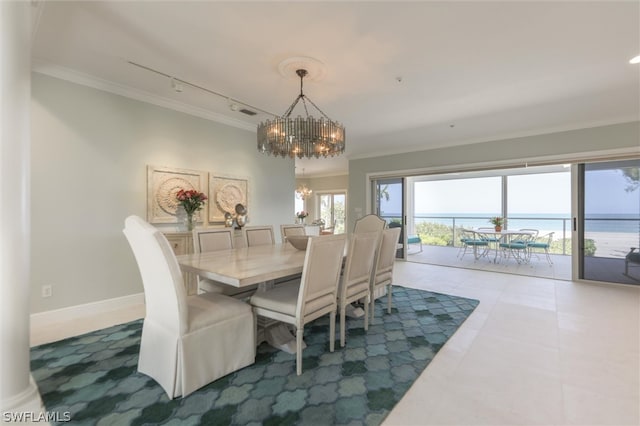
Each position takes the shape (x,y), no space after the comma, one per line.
(224,193)
(163,183)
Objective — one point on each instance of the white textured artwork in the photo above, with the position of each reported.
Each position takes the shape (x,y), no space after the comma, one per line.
(224,193)
(163,183)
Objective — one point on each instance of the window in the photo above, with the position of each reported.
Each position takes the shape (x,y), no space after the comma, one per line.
(333,209)
(299,204)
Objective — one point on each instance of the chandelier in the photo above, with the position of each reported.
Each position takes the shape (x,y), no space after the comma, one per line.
(301,136)
(303,192)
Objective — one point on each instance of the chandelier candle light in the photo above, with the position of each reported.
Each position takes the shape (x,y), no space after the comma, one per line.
(301,136)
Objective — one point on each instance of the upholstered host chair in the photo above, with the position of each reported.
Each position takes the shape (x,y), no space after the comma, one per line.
(187,341)
(383,272)
(207,240)
(369,223)
(355,282)
(313,298)
(259,235)
(286,230)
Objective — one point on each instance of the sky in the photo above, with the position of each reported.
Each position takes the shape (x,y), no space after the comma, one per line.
(548,193)
(528,194)
(605,193)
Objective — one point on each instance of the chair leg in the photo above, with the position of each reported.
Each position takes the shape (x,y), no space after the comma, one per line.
(255,328)
(299,334)
(343,309)
(366,314)
(332,331)
(372,306)
(389,299)
(546,251)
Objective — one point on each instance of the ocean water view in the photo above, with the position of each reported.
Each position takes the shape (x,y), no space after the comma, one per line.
(545,222)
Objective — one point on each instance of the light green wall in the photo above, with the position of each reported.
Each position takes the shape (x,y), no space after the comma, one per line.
(329,183)
(566,145)
(90,150)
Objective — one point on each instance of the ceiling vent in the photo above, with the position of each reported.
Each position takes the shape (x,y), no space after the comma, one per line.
(247,111)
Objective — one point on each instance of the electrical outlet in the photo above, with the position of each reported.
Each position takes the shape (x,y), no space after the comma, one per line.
(47,290)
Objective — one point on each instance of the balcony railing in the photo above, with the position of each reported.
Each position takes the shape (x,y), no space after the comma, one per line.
(599,232)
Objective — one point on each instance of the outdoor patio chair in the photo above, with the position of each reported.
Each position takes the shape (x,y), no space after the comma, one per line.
(516,245)
(632,257)
(541,243)
(471,240)
(415,240)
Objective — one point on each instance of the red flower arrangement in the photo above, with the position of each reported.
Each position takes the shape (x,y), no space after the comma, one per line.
(191,200)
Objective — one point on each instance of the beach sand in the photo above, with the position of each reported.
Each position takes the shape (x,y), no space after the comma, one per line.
(609,244)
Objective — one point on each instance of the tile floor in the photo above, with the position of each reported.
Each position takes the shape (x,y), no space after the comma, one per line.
(535,352)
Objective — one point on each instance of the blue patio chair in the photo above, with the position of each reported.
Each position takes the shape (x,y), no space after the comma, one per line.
(632,257)
(541,243)
(415,239)
(470,239)
(516,245)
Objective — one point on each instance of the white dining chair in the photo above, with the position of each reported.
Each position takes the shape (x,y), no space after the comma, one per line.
(383,271)
(187,341)
(258,235)
(286,230)
(314,297)
(355,281)
(207,240)
(369,223)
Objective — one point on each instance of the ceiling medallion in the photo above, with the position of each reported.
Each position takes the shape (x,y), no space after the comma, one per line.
(301,136)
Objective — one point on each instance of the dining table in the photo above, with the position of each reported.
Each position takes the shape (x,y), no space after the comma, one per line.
(245,266)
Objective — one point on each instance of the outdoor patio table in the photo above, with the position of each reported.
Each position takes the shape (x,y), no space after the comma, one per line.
(495,237)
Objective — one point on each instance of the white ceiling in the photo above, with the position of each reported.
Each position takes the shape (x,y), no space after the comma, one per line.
(470,71)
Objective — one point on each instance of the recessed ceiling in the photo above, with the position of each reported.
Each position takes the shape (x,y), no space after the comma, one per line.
(400,76)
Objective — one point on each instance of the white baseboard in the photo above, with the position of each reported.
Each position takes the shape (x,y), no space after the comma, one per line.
(27,401)
(88,309)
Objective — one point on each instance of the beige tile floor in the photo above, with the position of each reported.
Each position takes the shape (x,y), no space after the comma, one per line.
(535,352)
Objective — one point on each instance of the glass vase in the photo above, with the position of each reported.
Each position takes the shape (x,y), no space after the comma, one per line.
(189,222)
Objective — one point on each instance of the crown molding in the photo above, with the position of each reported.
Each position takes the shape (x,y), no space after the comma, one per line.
(43,67)
(500,137)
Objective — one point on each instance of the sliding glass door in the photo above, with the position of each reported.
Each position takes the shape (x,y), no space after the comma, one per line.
(609,213)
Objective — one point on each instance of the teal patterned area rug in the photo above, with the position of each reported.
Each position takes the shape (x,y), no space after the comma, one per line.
(94,377)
